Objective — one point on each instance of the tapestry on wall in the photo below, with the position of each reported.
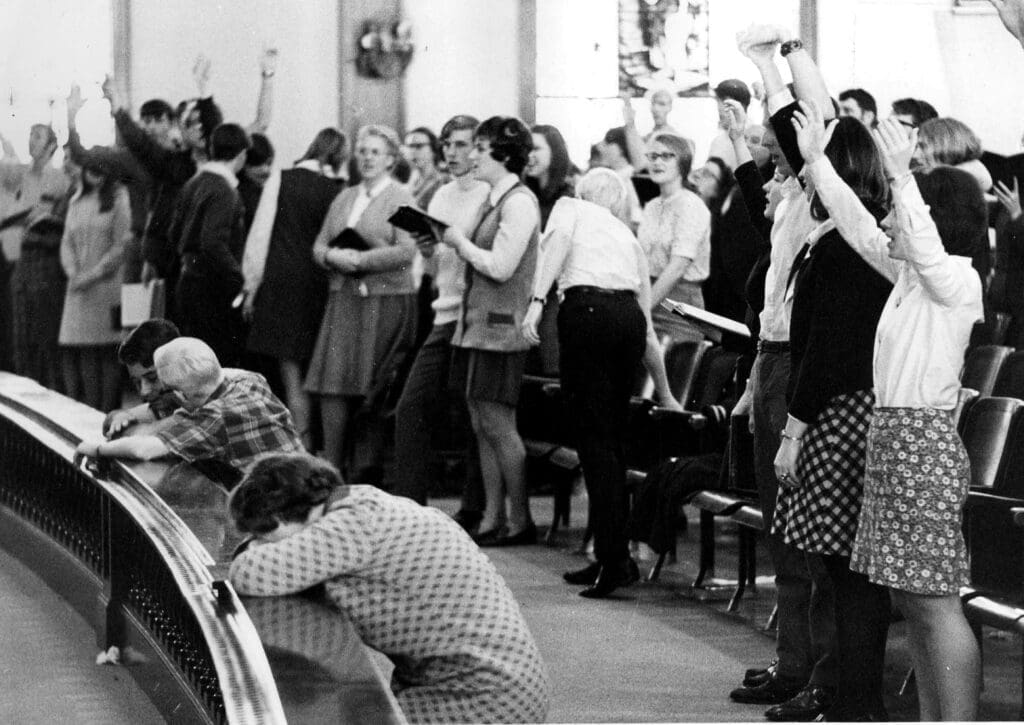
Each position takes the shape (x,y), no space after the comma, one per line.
(663,43)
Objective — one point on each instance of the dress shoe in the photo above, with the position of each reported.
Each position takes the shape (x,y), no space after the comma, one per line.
(759,675)
(611,578)
(772,692)
(488,537)
(587,575)
(526,537)
(804,706)
(468,520)
(853,714)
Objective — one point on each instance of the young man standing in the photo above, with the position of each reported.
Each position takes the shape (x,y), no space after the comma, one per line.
(457,203)
(208,230)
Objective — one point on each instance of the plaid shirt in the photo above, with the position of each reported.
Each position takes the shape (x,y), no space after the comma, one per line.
(240,421)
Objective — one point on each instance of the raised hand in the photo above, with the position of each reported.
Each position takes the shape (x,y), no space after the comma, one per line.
(811,135)
(1011,12)
(896,144)
(735,119)
(268,62)
(759,42)
(201,74)
(111,91)
(74,102)
(628,112)
(1009,198)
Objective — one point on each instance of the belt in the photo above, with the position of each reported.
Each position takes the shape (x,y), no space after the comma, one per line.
(586,289)
(772,347)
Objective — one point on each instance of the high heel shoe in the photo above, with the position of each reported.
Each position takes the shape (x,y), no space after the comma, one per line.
(526,537)
(587,575)
(611,578)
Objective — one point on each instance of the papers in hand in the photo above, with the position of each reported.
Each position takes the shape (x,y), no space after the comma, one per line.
(418,223)
(705,318)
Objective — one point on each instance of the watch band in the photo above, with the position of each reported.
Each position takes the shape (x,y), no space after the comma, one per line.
(789,46)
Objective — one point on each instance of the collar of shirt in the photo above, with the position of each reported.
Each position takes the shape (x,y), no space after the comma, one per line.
(221,169)
(309,165)
(499,189)
(791,187)
(818,232)
(374,191)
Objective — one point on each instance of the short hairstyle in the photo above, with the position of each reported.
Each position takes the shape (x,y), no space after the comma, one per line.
(948,141)
(681,147)
(560,163)
(856,159)
(261,151)
(733,89)
(617,136)
(209,121)
(655,92)
(461,122)
(281,487)
(156,108)
(382,132)
(604,187)
(958,208)
(329,146)
(142,342)
(51,135)
(435,145)
(862,98)
(510,139)
(187,364)
(227,141)
(918,110)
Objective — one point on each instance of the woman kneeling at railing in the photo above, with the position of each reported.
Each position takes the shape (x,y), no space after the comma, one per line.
(413,583)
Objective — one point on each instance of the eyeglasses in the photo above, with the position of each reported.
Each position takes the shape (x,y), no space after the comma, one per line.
(420,145)
(660,156)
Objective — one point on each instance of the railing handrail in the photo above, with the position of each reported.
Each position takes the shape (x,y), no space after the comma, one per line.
(247,684)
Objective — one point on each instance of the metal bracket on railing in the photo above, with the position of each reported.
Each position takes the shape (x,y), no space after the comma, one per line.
(96,467)
(225,597)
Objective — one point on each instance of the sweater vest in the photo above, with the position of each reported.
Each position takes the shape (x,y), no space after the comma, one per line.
(493,311)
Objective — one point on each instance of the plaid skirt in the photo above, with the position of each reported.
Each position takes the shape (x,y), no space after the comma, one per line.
(915,486)
(820,516)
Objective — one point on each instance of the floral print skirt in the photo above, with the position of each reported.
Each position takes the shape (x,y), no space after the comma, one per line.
(909,537)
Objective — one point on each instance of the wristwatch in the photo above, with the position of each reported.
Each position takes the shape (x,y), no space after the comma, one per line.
(789,46)
(543,300)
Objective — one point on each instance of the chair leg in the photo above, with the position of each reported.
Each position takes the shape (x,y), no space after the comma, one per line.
(741,578)
(909,681)
(707,548)
(656,569)
(773,620)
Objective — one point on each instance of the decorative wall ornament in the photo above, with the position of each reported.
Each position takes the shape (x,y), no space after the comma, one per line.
(384,50)
(664,44)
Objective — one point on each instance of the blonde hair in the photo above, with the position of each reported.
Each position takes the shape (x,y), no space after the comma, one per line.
(187,364)
(948,142)
(383,132)
(605,188)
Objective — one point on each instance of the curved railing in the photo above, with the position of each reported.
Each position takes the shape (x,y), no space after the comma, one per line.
(113,549)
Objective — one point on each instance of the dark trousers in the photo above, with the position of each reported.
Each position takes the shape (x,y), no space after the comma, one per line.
(601,341)
(427,402)
(204,310)
(806,618)
(862,626)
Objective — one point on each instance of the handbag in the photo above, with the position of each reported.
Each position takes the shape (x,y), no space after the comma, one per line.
(141,301)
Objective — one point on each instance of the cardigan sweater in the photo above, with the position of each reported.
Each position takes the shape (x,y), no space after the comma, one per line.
(386,269)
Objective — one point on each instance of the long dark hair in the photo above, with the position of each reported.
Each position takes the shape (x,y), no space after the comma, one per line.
(329,146)
(726,183)
(105,191)
(558,170)
(855,158)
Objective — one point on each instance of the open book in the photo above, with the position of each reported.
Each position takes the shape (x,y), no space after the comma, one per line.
(704,318)
(418,222)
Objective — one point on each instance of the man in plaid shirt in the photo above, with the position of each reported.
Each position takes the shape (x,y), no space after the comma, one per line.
(227,417)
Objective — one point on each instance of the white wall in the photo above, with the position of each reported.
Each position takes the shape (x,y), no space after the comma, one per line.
(466,60)
(166,37)
(963,63)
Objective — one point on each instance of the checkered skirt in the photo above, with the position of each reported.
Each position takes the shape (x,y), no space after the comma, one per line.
(820,516)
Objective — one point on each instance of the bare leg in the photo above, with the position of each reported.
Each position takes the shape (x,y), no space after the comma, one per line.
(297,399)
(496,427)
(952,661)
(490,472)
(334,412)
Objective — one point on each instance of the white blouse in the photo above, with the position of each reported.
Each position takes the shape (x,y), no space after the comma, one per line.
(926,324)
(677,226)
(603,251)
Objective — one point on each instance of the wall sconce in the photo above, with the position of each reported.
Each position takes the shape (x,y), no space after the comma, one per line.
(384,51)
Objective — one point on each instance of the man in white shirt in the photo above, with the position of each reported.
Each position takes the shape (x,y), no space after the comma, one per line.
(426,390)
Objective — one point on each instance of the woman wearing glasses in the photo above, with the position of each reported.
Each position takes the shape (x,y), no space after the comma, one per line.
(675,234)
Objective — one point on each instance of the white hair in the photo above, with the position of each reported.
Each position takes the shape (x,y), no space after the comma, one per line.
(605,188)
(187,364)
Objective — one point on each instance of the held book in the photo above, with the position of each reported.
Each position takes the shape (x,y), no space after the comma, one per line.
(418,222)
(705,318)
(349,238)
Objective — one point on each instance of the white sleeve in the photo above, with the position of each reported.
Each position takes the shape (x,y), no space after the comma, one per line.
(257,244)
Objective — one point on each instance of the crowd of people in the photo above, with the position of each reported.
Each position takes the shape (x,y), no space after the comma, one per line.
(854,247)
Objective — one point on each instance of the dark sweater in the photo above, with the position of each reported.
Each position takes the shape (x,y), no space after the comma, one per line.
(836,306)
(208,227)
(750,183)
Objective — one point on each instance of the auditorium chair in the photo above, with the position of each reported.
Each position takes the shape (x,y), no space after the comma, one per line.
(982,367)
(1010,381)
(989,422)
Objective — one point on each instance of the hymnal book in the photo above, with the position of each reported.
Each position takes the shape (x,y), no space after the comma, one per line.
(349,238)
(418,222)
(705,318)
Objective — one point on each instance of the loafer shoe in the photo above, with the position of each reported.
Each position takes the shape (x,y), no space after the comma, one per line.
(803,706)
(587,575)
(611,578)
(759,675)
(773,692)
(525,537)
